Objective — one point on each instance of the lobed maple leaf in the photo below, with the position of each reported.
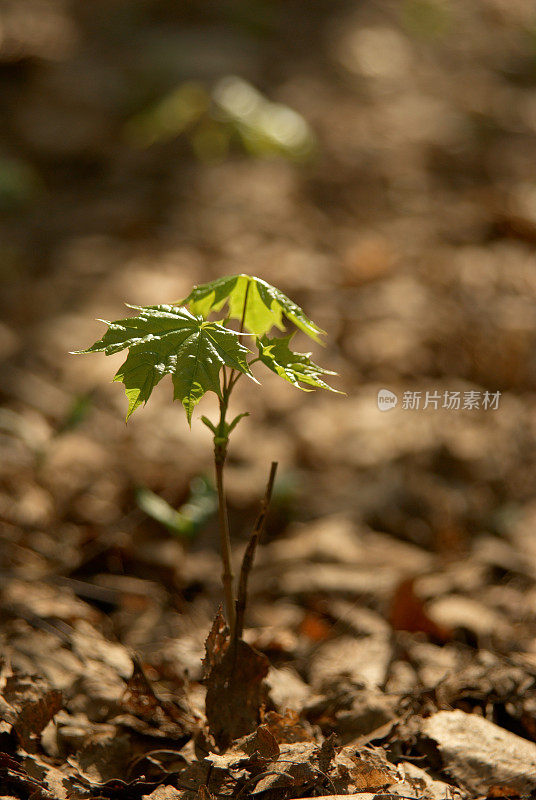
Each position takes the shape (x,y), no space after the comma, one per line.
(259,304)
(182,342)
(296,368)
(171,340)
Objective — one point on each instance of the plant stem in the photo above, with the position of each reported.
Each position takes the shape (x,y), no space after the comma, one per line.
(220,454)
(221,439)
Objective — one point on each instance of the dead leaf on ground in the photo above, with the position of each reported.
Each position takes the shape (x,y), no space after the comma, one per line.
(150,714)
(287,689)
(13,776)
(425,786)
(263,742)
(479,754)
(288,727)
(28,703)
(297,766)
(54,781)
(353,710)
(164,793)
(487,681)
(364,770)
(103,757)
(407,613)
(235,684)
(364,660)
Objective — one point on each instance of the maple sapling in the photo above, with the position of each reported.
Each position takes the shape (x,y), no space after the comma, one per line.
(208,356)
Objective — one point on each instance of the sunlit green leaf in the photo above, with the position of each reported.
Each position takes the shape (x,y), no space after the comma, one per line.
(265,305)
(171,340)
(296,368)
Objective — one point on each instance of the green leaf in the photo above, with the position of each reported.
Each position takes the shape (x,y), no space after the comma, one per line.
(232,425)
(265,305)
(190,517)
(209,424)
(296,368)
(169,339)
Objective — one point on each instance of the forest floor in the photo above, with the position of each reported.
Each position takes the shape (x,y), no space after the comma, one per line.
(393,600)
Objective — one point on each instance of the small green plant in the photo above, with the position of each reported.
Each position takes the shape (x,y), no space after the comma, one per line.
(203,356)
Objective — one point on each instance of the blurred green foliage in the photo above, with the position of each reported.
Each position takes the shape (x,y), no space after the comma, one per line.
(190,517)
(233,112)
(77,412)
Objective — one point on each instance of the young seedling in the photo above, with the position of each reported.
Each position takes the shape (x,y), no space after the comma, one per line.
(203,356)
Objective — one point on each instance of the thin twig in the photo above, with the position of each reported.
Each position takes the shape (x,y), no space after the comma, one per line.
(249,555)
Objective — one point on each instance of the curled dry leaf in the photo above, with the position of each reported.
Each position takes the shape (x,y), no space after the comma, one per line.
(234,678)
(216,642)
(263,742)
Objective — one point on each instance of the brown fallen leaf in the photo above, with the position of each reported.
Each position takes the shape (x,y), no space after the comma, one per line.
(14,776)
(479,754)
(28,703)
(148,712)
(235,684)
(164,793)
(353,710)
(424,785)
(287,688)
(407,613)
(327,753)
(287,727)
(263,742)
(53,780)
(364,660)
(157,765)
(297,766)
(103,757)
(363,770)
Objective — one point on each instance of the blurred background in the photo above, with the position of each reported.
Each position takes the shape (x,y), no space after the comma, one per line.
(376,160)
